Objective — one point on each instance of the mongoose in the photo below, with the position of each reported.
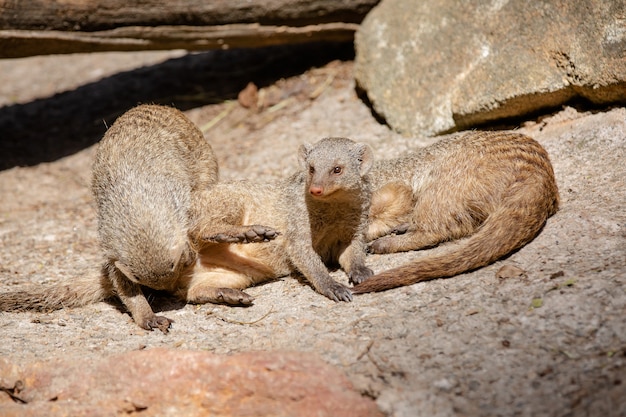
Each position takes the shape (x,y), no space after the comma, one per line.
(148,169)
(320,213)
(495,189)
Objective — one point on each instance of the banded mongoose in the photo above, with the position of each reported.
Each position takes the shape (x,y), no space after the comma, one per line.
(320,213)
(495,189)
(148,168)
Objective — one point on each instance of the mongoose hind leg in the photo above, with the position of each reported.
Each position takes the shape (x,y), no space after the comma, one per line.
(390,210)
(243,234)
(218,286)
(214,295)
(404,240)
(135,301)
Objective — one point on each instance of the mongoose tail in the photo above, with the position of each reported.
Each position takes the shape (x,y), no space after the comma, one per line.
(77,293)
(505,230)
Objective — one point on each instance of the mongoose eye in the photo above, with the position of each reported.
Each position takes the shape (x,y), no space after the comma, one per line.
(337,170)
(311,170)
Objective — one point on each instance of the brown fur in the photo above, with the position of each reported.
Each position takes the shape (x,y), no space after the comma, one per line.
(148,169)
(493,190)
(319,211)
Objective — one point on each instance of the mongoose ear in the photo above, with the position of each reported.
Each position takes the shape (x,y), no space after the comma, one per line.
(303,153)
(126,271)
(366,157)
(176,253)
(181,253)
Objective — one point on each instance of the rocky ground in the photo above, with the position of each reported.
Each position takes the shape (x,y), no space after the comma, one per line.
(551,342)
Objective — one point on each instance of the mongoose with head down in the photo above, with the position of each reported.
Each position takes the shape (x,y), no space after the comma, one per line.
(492,190)
(148,169)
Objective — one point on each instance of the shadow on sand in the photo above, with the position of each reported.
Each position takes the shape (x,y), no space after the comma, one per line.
(51,128)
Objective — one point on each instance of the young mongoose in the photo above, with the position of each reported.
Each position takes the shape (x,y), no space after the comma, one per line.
(148,169)
(495,189)
(320,212)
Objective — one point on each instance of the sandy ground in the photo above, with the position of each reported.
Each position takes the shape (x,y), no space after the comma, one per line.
(551,343)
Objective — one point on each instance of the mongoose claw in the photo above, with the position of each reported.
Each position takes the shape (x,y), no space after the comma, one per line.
(232,296)
(360,274)
(158,322)
(338,292)
(259,233)
(255,233)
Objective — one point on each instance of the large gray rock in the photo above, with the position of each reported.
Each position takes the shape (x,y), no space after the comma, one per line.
(432,67)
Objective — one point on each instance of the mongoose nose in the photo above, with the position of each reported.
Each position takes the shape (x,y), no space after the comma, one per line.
(316,190)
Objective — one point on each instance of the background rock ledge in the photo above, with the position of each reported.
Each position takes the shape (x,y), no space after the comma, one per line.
(434,67)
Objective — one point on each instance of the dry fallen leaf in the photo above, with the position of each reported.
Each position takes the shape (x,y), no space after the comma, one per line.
(248,97)
(536,303)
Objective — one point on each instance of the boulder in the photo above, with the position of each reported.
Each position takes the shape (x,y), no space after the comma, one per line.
(434,67)
(181,383)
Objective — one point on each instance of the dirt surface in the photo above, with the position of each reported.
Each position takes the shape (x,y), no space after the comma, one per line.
(549,343)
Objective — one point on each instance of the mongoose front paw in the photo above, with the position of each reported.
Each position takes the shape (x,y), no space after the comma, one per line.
(338,292)
(380,246)
(255,233)
(360,274)
(158,322)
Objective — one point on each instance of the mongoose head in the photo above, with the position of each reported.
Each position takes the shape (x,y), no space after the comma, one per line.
(335,167)
(155,268)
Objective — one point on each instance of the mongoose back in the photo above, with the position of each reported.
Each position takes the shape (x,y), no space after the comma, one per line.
(147,169)
(320,212)
(494,189)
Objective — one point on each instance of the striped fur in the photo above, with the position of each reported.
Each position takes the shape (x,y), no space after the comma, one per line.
(492,190)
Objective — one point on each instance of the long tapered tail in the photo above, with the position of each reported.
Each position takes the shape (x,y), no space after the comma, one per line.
(76,293)
(503,231)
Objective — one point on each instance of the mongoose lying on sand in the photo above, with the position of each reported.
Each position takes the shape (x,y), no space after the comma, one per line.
(148,167)
(320,213)
(496,189)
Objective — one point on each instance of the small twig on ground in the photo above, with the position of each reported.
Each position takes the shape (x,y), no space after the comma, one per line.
(319,90)
(366,351)
(209,125)
(280,105)
(12,392)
